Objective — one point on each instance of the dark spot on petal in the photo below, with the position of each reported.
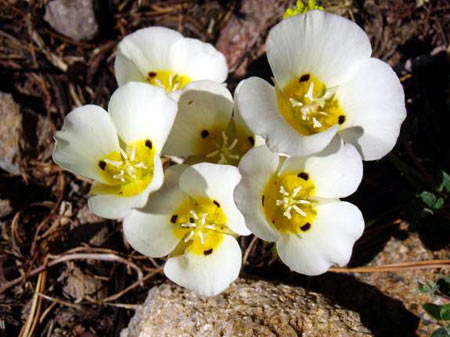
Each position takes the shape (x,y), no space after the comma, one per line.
(149,144)
(341,119)
(303,175)
(273,221)
(216,203)
(304,78)
(208,251)
(191,220)
(151,74)
(102,164)
(190,102)
(204,134)
(174,218)
(120,192)
(251,139)
(262,200)
(305,227)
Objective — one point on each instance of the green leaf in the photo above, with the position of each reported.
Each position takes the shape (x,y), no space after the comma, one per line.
(431,201)
(443,284)
(429,287)
(438,312)
(445,184)
(433,310)
(439,203)
(442,332)
(445,312)
(428,198)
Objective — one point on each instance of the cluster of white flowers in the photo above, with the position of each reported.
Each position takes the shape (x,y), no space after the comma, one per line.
(272,161)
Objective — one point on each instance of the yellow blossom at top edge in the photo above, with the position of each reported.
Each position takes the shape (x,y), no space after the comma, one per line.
(301,8)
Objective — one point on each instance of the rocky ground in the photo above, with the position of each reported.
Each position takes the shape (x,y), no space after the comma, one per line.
(66,272)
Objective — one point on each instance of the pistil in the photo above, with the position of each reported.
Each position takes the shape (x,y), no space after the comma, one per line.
(224,150)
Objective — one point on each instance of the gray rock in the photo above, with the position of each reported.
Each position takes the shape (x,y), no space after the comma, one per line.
(72,18)
(403,285)
(10,134)
(247,308)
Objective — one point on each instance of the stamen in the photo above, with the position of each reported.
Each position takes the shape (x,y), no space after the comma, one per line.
(212,227)
(287,213)
(133,153)
(158,82)
(296,190)
(202,237)
(233,144)
(222,159)
(194,214)
(212,154)
(113,162)
(224,137)
(309,94)
(283,190)
(295,103)
(298,210)
(188,225)
(189,237)
(316,123)
(203,219)
(141,165)
(123,154)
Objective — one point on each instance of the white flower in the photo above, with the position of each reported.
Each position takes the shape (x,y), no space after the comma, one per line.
(206,129)
(294,202)
(325,83)
(163,57)
(193,218)
(119,150)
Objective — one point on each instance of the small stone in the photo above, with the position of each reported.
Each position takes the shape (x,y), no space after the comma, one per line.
(10,134)
(247,308)
(5,208)
(79,285)
(75,19)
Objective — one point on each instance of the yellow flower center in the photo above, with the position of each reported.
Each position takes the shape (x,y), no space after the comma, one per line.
(309,106)
(128,172)
(288,203)
(201,226)
(224,146)
(302,8)
(167,80)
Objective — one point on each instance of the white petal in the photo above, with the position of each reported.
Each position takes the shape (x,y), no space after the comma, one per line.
(257,167)
(329,241)
(207,275)
(202,105)
(143,51)
(259,108)
(237,116)
(114,207)
(142,111)
(374,103)
(198,60)
(150,234)
(216,182)
(320,43)
(336,172)
(169,196)
(88,135)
